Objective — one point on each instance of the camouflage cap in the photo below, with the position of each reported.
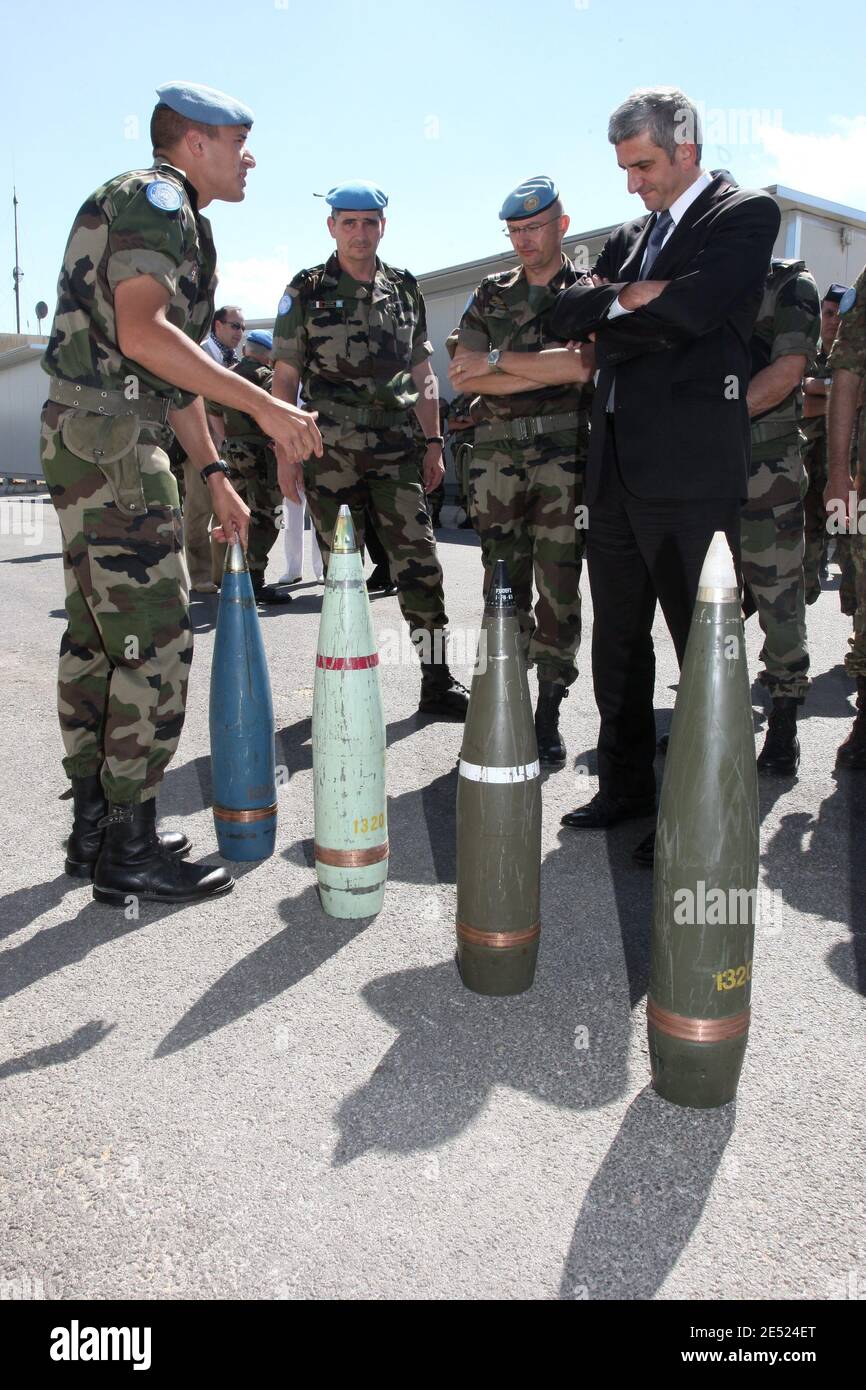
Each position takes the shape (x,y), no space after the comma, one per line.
(835,293)
(528,198)
(204,104)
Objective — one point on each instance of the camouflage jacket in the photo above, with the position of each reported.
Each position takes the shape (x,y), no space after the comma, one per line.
(352,343)
(816,426)
(142,223)
(506,312)
(788,322)
(849,350)
(236,422)
(848,353)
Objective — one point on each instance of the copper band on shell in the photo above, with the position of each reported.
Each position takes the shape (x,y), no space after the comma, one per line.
(245,817)
(351,858)
(713,595)
(701,1030)
(471,936)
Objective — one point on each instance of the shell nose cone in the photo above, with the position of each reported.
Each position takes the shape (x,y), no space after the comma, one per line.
(718,568)
(236,560)
(499,594)
(344,533)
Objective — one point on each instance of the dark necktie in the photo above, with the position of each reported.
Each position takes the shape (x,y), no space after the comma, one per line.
(654,245)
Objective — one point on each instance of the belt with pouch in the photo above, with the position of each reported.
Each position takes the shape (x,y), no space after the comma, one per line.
(151,409)
(526,428)
(369,417)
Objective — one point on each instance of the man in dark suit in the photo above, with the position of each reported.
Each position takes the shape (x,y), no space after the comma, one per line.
(669,451)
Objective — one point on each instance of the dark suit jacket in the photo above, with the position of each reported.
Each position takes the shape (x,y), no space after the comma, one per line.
(682,364)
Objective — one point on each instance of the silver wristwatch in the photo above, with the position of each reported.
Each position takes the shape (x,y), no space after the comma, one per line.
(493,359)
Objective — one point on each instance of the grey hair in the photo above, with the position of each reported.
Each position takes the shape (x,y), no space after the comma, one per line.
(665,113)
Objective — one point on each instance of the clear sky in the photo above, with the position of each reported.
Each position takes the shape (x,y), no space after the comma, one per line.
(446,105)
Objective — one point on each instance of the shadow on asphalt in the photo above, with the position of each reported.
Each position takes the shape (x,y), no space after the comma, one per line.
(837,832)
(32,559)
(454,1047)
(643,1204)
(95,925)
(68,1050)
(309,939)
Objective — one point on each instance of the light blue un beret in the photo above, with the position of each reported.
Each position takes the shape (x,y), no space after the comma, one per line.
(528,198)
(262,338)
(204,104)
(357,196)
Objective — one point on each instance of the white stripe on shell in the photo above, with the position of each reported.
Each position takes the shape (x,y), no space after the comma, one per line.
(476,772)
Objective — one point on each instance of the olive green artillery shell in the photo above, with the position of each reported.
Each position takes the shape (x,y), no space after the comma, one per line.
(499,815)
(706,870)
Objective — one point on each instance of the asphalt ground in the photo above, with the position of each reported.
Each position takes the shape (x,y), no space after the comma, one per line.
(252,1100)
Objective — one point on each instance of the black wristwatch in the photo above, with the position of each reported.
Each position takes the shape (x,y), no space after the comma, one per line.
(217,467)
(435,439)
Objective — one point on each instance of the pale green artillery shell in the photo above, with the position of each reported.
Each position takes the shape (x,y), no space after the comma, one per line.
(348,748)
(706,870)
(499,820)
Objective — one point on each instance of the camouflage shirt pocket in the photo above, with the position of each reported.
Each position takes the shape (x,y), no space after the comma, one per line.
(327,335)
(109,441)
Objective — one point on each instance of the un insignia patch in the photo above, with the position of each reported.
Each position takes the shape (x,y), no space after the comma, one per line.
(285,304)
(531,203)
(164,196)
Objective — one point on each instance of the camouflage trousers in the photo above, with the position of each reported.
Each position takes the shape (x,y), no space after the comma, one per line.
(855,658)
(772,534)
(253,472)
(524,500)
(817,535)
(357,471)
(126,652)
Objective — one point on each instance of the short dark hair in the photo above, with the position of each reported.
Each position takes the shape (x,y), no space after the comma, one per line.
(222,314)
(168,127)
(666,113)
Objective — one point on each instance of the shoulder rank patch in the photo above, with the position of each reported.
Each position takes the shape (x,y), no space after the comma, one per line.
(848,300)
(285,304)
(164,196)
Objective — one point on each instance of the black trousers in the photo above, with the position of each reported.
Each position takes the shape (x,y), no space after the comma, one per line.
(640,550)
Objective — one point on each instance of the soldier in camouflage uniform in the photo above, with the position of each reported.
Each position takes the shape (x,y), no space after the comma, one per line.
(529,455)
(816,391)
(784,342)
(353,332)
(135,298)
(848,365)
(253,467)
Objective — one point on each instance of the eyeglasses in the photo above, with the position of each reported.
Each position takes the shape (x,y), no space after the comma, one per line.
(233,323)
(513,232)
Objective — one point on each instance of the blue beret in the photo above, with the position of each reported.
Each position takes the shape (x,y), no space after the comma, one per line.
(528,198)
(204,104)
(357,197)
(262,338)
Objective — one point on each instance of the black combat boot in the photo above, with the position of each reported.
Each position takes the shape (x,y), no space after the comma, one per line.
(781,750)
(83,846)
(852,753)
(132,863)
(267,593)
(440,693)
(380,580)
(551,748)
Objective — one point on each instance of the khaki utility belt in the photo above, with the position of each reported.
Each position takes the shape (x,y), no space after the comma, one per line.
(525,429)
(153,409)
(369,416)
